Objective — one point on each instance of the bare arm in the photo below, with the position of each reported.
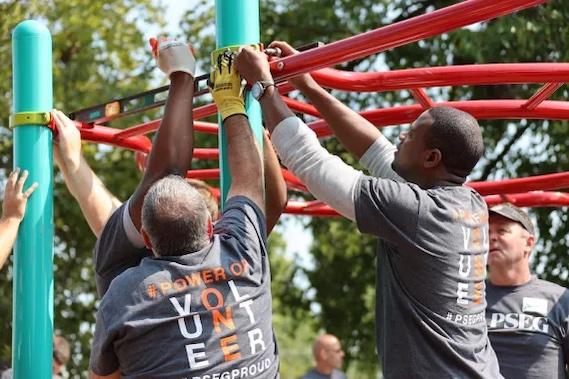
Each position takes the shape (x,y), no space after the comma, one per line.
(13,210)
(245,161)
(275,186)
(172,149)
(353,131)
(95,200)
(326,176)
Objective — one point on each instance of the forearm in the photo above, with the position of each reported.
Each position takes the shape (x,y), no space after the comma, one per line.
(326,176)
(274,108)
(95,200)
(353,131)
(245,160)
(8,234)
(275,186)
(173,147)
(172,150)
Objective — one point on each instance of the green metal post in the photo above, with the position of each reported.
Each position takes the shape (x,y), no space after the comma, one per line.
(237,23)
(33,268)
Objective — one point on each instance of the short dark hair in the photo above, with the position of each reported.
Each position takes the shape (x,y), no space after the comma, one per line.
(175,217)
(457,135)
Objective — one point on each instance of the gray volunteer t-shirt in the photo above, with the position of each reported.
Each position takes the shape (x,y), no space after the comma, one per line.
(114,252)
(431,265)
(313,374)
(198,316)
(528,326)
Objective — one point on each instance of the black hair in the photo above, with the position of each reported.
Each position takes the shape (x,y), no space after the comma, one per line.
(458,137)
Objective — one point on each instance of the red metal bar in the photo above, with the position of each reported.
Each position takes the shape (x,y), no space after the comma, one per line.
(442,76)
(293,182)
(531,199)
(481,109)
(206,127)
(207,173)
(400,33)
(205,111)
(140,129)
(151,126)
(298,106)
(543,93)
(422,98)
(103,134)
(313,208)
(533,183)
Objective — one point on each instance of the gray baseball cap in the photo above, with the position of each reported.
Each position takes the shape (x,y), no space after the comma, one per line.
(514,213)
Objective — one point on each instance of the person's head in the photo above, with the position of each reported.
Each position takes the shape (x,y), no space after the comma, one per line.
(209,198)
(328,353)
(512,237)
(443,144)
(61,353)
(175,219)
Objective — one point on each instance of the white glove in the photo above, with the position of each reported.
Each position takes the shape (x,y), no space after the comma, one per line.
(172,56)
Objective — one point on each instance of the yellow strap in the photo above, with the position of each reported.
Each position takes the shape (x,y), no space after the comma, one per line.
(30,118)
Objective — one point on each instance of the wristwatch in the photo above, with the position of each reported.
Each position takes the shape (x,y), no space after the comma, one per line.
(258,88)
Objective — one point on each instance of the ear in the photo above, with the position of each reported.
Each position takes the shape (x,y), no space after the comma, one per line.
(530,243)
(432,158)
(209,228)
(146,238)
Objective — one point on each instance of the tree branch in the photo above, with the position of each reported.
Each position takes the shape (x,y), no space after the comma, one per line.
(492,164)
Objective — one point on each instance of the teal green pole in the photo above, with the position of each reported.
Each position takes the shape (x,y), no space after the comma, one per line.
(237,23)
(33,253)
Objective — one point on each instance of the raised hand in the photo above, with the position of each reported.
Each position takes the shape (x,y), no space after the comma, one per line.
(301,81)
(225,84)
(173,56)
(67,150)
(253,65)
(14,205)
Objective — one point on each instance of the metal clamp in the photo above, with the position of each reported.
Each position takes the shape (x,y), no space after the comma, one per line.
(30,118)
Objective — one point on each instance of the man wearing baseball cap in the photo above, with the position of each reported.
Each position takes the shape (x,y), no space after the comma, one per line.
(528,318)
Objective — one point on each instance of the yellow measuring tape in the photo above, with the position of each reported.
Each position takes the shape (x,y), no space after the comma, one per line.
(30,118)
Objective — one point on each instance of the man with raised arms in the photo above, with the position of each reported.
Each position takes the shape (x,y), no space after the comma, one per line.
(433,232)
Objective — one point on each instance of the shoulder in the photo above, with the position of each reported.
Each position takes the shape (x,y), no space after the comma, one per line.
(239,212)
(551,288)
(130,280)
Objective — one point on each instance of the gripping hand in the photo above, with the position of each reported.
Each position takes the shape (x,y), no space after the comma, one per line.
(225,84)
(172,56)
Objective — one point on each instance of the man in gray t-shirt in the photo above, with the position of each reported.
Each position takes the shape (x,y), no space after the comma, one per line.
(528,318)
(201,306)
(433,231)
(204,312)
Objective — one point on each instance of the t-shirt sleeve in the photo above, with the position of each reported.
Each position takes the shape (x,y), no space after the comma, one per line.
(117,249)
(387,208)
(243,221)
(378,159)
(325,175)
(103,359)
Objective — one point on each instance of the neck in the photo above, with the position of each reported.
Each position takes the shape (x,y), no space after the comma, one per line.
(510,276)
(429,180)
(324,368)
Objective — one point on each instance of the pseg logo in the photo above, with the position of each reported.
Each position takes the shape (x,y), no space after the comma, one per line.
(519,321)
